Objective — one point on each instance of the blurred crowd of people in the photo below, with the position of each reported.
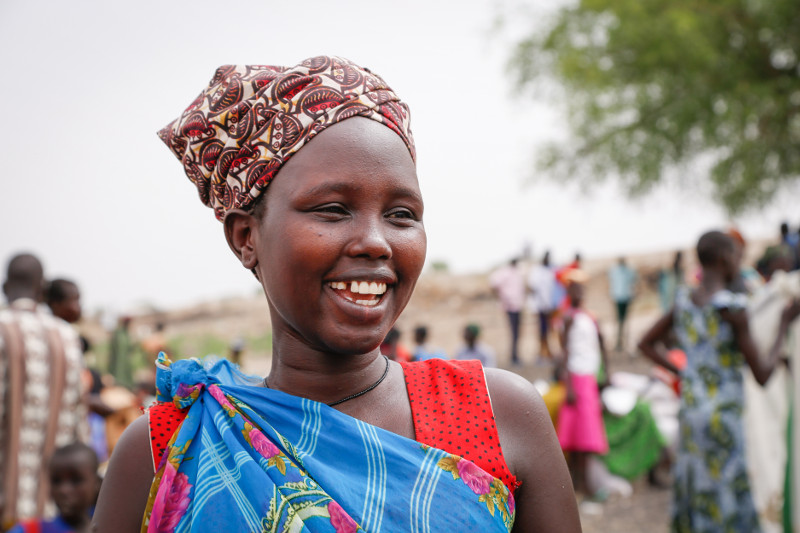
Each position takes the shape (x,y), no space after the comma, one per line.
(63,408)
(61,416)
(702,346)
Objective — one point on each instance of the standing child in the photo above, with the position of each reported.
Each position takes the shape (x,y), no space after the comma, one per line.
(580,421)
(712,491)
(474,349)
(74,485)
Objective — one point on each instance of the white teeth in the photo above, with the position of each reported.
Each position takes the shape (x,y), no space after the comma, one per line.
(368,303)
(360,287)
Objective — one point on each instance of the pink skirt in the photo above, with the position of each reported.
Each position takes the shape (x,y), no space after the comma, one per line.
(580,426)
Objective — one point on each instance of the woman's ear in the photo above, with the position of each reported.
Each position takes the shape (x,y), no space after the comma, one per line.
(241,229)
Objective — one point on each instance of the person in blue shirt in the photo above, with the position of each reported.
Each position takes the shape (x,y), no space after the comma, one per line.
(74,485)
(622,285)
(474,349)
(422,351)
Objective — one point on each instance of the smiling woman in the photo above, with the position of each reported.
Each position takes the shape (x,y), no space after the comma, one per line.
(334,234)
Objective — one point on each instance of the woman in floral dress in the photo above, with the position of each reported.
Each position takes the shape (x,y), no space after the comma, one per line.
(711,490)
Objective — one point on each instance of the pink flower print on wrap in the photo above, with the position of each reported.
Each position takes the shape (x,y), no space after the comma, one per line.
(262,444)
(511,504)
(340,520)
(476,479)
(171,501)
(221,399)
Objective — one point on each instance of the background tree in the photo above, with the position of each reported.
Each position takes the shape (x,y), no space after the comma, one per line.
(652,85)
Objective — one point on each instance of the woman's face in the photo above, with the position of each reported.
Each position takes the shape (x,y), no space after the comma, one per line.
(341,242)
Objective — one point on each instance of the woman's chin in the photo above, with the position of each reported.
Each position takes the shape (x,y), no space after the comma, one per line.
(354,344)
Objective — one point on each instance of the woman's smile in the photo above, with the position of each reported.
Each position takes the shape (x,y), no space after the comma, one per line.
(367,293)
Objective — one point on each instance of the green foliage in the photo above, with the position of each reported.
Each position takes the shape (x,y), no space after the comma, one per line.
(260,344)
(440,266)
(207,344)
(197,346)
(652,85)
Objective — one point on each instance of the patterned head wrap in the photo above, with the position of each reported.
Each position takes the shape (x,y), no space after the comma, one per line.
(248,122)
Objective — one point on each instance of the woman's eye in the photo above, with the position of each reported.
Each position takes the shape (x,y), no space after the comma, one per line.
(331,209)
(401,213)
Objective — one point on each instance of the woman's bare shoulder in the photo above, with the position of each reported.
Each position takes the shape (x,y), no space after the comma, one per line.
(545,500)
(126,486)
(520,414)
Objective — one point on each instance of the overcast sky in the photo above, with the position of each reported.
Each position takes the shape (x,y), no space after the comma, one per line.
(87,185)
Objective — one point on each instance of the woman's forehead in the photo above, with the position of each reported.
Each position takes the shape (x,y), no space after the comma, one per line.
(341,157)
(356,137)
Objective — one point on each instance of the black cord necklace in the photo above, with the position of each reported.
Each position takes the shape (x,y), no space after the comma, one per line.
(356,395)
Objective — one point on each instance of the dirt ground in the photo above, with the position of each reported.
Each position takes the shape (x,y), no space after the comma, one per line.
(647,511)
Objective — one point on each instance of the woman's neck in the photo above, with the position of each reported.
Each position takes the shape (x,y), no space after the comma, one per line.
(321,376)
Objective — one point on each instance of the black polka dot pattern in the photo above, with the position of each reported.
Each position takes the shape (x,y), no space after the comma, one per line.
(163,419)
(451,410)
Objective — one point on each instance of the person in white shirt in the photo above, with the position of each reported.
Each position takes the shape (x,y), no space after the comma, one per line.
(508,284)
(41,400)
(541,290)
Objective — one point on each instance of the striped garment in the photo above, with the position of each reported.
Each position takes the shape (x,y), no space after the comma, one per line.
(247,458)
(40,404)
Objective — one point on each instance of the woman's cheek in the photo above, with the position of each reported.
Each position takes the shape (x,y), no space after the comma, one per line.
(417,248)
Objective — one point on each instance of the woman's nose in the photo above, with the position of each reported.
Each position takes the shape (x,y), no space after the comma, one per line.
(370,239)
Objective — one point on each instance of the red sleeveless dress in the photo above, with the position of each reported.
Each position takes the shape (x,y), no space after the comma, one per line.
(450,406)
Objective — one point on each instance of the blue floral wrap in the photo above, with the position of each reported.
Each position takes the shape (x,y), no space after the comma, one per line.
(248,458)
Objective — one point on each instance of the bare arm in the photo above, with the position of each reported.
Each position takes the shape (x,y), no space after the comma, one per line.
(545,502)
(762,367)
(650,345)
(563,337)
(123,497)
(604,356)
